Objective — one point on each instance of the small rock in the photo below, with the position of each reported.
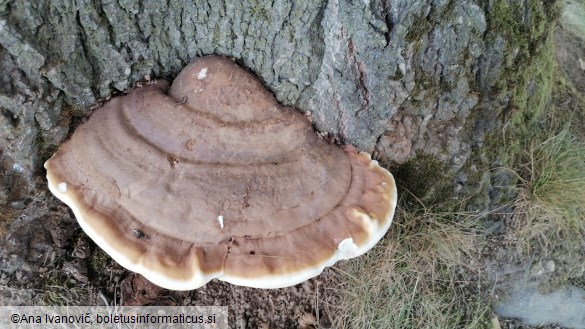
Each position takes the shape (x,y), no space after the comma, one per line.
(549,266)
(544,267)
(496,323)
(60,232)
(81,249)
(136,290)
(307,320)
(77,269)
(22,276)
(4,279)
(582,64)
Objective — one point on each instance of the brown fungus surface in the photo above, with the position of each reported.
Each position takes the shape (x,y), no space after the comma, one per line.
(212,178)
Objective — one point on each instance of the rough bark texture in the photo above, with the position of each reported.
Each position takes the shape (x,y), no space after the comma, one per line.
(425,85)
(399,76)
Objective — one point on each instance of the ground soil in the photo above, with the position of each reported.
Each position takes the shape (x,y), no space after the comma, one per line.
(47,259)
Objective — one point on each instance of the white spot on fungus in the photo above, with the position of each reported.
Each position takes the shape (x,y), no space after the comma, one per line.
(220,221)
(202,74)
(366,221)
(17,167)
(347,249)
(62,187)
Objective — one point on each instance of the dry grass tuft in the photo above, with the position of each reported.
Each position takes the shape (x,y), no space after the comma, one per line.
(552,191)
(549,217)
(413,278)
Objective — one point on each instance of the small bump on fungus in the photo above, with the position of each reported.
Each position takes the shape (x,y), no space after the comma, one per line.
(212,178)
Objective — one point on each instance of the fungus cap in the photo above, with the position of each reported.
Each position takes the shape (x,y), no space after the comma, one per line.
(212,178)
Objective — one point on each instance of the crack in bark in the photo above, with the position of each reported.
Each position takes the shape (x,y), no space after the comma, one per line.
(103,16)
(385,13)
(85,51)
(361,79)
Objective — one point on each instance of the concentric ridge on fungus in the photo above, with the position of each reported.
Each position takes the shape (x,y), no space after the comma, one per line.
(212,178)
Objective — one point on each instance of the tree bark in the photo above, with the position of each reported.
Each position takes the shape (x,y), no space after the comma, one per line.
(395,77)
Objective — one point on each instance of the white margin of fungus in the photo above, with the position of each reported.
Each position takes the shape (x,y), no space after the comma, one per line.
(135,265)
(345,249)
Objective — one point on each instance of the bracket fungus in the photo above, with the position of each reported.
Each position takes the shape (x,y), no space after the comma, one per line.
(212,178)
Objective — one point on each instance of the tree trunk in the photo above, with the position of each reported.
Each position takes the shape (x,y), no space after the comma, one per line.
(426,86)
